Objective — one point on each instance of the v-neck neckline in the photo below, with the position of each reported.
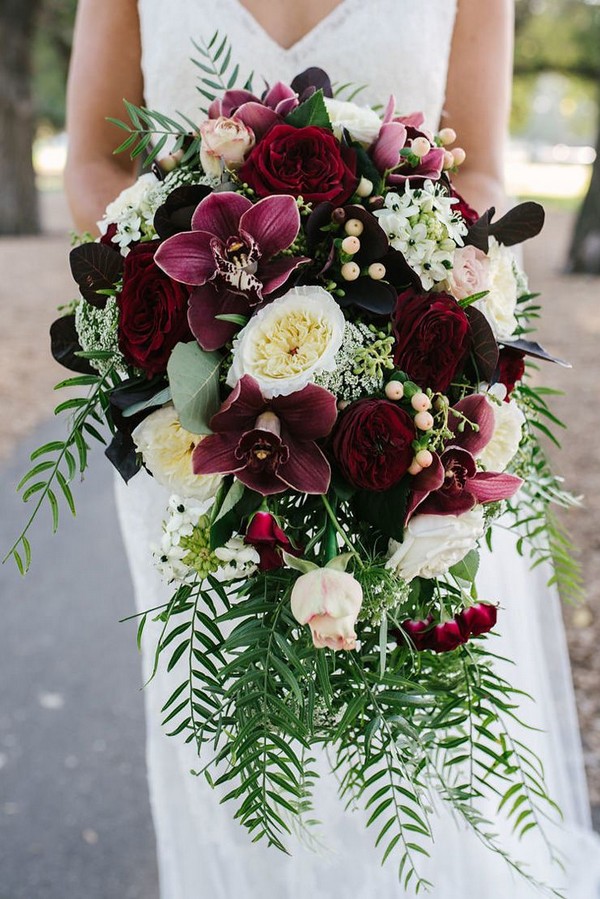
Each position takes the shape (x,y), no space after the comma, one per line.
(322,24)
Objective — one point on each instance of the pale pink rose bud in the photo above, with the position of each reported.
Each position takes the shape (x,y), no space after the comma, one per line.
(470,272)
(328,600)
(224,139)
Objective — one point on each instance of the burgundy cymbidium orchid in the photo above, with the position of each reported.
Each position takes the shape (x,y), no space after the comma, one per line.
(256,113)
(270,445)
(228,258)
(396,134)
(453,484)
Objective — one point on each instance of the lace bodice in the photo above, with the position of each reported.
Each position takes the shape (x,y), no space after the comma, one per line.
(379,43)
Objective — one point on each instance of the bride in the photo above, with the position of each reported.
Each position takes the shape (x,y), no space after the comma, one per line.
(452,60)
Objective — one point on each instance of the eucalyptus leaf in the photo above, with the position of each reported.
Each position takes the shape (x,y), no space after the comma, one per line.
(466,570)
(194,379)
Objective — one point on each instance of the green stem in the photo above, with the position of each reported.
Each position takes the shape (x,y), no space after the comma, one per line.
(337,527)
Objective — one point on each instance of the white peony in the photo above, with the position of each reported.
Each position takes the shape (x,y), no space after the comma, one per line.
(434,543)
(289,341)
(501,302)
(361,122)
(167,450)
(508,430)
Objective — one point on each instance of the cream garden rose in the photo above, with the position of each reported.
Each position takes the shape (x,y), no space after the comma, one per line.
(328,600)
(167,449)
(362,122)
(434,543)
(229,140)
(285,345)
(508,430)
(501,302)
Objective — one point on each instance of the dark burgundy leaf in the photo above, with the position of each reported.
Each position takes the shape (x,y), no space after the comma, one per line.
(175,215)
(122,453)
(484,347)
(311,80)
(95,267)
(136,390)
(520,223)
(319,218)
(375,297)
(531,348)
(64,343)
(478,234)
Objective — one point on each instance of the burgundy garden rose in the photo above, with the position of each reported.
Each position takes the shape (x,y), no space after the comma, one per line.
(372,444)
(265,535)
(307,162)
(432,338)
(152,311)
(270,445)
(511,368)
(477,619)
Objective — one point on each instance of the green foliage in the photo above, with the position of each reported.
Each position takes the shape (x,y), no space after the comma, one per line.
(150,132)
(218,74)
(312,112)
(57,463)
(194,382)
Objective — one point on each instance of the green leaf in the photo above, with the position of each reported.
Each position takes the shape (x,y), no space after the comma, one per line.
(194,380)
(159,399)
(233,319)
(466,570)
(312,112)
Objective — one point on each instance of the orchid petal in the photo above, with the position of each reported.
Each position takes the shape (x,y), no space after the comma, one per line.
(386,151)
(279,93)
(258,117)
(489,486)
(388,112)
(275,273)
(307,470)
(215,454)
(273,222)
(440,503)
(475,409)
(229,102)
(220,214)
(205,303)
(241,408)
(412,120)
(187,257)
(292,409)
(262,481)
(428,479)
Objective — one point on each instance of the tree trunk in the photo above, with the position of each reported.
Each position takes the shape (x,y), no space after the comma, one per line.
(584,254)
(18,195)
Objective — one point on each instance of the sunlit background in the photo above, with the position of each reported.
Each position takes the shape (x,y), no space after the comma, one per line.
(48,631)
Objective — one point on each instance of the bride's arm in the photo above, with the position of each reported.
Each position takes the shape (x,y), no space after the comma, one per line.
(478,97)
(105,68)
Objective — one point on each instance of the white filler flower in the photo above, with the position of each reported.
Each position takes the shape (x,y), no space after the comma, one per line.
(423,226)
(501,302)
(362,122)
(434,543)
(508,430)
(167,450)
(288,342)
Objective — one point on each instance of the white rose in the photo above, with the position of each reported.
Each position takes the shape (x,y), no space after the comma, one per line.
(131,201)
(508,430)
(289,341)
(328,600)
(167,450)
(224,139)
(361,122)
(434,543)
(469,273)
(501,302)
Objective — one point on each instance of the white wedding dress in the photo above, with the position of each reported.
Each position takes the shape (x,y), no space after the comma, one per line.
(400,47)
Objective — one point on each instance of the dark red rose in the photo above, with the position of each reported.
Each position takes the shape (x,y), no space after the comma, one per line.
(153,311)
(419,630)
(265,535)
(511,368)
(307,162)
(468,213)
(372,444)
(477,619)
(424,634)
(432,338)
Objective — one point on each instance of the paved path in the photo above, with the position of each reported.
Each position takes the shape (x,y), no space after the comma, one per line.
(74,814)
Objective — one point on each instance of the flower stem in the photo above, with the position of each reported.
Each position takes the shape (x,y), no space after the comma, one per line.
(337,527)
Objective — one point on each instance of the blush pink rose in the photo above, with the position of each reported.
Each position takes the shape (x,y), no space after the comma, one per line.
(469,273)
(224,139)
(328,600)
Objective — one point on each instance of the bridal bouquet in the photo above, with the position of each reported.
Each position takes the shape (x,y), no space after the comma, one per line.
(298,327)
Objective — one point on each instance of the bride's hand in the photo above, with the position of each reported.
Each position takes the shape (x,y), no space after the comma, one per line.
(478,97)
(105,68)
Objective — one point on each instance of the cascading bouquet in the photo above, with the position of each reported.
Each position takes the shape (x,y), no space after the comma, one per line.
(298,327)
